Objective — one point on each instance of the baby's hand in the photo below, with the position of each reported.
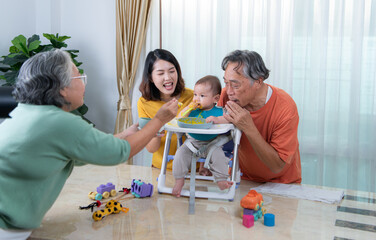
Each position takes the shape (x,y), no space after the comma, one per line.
(160,134)
(217,120)
(210,119)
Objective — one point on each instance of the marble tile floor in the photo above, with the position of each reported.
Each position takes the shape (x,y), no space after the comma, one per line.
(163,216)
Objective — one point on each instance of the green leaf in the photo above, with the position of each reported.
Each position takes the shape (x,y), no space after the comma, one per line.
(76,62)
(34,45)
(45,48)
(81,111)
(13,49)
(33,38)
(56,40)
(60,38)
(33,42)
(12,55)
(14,59)
(22,50)
(48,36)
(73,51)
(10,77)
(58,44)
(63,38)
(73,56)
(20,43)
(4,69)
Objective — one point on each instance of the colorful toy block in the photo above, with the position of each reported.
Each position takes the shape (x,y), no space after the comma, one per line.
(247,211)
(269,220)
(248,221)
(252,205)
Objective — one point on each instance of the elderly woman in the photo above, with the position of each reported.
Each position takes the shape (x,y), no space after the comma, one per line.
(42,141)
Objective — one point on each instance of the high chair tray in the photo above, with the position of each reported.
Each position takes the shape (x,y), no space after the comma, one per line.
(215,128)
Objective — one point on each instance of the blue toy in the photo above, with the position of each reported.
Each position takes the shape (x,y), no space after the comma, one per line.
(269,219)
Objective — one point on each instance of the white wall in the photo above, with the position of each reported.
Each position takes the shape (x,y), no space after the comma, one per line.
(91,24)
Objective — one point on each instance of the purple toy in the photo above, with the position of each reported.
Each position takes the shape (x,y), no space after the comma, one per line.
(140,189)
(247,211)
(105,188)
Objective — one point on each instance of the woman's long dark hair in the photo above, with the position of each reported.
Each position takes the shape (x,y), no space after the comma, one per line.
(147,87)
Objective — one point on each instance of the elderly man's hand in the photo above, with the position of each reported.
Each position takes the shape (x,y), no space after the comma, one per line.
(238,116)
(168,111)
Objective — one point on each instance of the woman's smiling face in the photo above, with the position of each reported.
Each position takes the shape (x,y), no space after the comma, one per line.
(164,77)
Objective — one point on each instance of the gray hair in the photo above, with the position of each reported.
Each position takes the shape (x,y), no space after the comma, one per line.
(253,65)
(42,77)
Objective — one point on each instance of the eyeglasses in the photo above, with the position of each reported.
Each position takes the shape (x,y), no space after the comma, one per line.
(83,78)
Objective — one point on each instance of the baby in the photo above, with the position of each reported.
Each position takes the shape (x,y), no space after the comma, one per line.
(206,94)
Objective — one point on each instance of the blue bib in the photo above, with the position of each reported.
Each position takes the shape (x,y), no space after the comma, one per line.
(215,111)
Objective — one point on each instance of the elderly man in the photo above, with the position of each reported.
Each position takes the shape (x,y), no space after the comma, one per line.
(267,116)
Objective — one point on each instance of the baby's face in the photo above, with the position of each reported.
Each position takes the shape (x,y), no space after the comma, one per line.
(203,94)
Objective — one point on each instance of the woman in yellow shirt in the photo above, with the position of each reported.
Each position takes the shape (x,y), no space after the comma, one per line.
(161,81)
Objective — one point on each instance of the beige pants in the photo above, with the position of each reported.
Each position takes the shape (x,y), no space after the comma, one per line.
(218,164)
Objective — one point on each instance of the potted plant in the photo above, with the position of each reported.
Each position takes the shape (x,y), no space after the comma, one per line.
(22,49)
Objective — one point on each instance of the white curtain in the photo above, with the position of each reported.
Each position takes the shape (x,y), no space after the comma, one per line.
(323,53)
(144,158)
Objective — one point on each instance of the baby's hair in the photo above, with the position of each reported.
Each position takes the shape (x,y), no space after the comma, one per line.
(213,81)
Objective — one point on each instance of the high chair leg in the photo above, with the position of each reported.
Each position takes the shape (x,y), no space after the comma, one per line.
(192,188)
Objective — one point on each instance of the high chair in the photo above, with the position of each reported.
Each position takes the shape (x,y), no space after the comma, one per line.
(229,194)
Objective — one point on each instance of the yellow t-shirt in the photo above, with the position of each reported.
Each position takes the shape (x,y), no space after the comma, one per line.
(149,109)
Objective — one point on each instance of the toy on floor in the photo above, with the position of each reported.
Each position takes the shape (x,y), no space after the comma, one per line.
(103,191)
(125,191)
(253,206)
(112,207)
(269,220)
(91,205)
(248,220)
(138,189)
(141,189)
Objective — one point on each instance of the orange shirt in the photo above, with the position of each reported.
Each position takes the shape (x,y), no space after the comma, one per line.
(277,121)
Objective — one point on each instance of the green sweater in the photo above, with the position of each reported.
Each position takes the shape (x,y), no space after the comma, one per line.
(39,147)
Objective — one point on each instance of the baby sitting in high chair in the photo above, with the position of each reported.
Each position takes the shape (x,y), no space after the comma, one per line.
(206,94)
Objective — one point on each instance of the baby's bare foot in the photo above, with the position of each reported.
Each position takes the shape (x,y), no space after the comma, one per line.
(205,172)
(224,184)
(176,190)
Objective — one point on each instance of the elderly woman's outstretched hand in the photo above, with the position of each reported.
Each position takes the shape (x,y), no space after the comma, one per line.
(168,111)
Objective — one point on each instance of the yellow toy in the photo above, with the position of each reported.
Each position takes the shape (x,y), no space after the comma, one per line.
(112,207)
